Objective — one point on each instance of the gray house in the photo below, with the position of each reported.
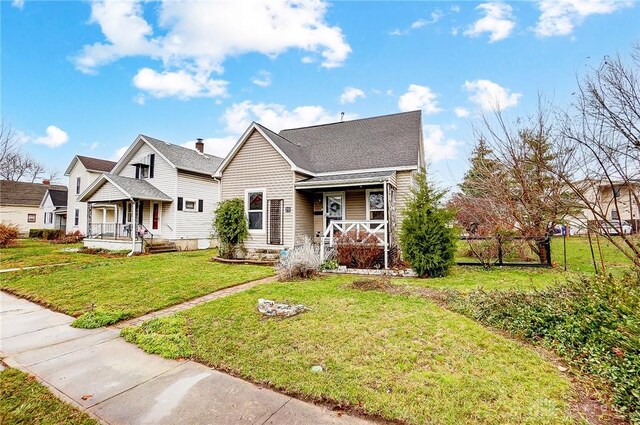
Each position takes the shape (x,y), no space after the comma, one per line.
(320,180)
(157,192)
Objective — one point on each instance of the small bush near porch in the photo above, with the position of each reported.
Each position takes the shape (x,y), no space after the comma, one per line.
(129,287)
(398,357)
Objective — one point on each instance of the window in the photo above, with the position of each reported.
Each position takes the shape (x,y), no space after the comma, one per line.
(375,204)
(76,217)
(254,205)
(48,218)
(31,218)
(616,191)
(615,215)
(189,205)
(77,185)
(192,205)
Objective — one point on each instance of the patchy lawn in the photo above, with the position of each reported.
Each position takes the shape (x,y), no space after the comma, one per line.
(399,357)
(129,287)
(35,252)
(23,400)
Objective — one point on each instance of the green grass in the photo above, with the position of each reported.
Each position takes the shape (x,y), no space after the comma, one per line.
(34,252)
(25,401)
(130,286)
(400,357)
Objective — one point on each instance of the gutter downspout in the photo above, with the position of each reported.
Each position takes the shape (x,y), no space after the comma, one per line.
(134,230)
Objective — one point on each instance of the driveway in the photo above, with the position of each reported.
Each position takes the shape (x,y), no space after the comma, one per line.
(116,382)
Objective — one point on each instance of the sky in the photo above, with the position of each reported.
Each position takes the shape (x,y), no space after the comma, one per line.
(86,77)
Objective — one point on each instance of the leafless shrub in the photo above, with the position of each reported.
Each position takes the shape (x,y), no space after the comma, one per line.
(303,261)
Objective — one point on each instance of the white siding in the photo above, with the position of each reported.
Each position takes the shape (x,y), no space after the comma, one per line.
(194,224)
(48,207)
(107,192)
(405,180)
(17,215)
(258,165)
(86,179)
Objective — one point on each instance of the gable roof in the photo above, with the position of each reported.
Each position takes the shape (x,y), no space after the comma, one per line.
(377,143)
(58,197)
(185,158)
(95,165)
(386,141)
(23,193)
(129,187)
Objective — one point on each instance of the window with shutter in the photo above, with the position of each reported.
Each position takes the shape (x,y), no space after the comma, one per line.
(180,201)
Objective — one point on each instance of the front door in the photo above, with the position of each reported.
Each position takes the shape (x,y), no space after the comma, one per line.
(333,207)
(155,217)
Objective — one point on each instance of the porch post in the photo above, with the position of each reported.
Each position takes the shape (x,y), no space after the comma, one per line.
(386,226)
(134,226)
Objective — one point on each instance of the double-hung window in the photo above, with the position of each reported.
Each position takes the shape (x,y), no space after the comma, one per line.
(78,180)
(375,204)
(255,207)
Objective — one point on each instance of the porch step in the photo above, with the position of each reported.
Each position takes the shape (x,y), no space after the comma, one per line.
(161,247)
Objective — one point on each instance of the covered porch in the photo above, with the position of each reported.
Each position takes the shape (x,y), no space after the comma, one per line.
(361,205)
(123,213)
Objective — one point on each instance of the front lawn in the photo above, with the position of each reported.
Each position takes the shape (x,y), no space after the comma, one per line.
(35,252)
(130,286)
(399,357)
(23,400)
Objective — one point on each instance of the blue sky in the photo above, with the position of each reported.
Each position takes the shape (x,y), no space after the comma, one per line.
(88,77)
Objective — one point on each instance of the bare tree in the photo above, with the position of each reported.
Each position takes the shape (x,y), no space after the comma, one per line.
(14,163)
(520,182)
(601,131)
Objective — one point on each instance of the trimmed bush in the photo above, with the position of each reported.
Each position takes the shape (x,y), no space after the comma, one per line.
(46,234)
(594,323)
(358,250)
(8,234)
(230,226)
(427,239)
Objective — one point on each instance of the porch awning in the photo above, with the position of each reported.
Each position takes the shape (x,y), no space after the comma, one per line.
(337,180)
(110,187)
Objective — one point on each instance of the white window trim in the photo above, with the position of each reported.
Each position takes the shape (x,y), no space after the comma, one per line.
(324,207)
(369,210)
(184,205)
(264,209)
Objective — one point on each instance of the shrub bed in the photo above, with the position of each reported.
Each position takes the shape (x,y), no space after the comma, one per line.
(8,234)
(47,234)
(593,323)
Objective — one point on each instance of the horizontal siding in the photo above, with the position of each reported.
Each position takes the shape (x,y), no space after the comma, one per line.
(86,179)
(17,215)
(405,181)
(196,225)
(164,175)
(107,192)
(356,208)
(304,214)
(258,165)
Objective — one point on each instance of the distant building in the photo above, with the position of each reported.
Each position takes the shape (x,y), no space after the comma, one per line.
(20,203)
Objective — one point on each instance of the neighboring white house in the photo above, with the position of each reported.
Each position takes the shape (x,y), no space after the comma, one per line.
(20,203)
(54,209)
(82,172)
(157,192)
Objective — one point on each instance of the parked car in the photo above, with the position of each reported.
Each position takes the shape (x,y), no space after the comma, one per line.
(615,227)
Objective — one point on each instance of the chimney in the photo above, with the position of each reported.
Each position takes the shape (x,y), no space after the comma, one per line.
(46,181)
(200,146)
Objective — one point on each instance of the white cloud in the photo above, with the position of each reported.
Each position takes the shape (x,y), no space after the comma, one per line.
(560,17)
(419,97)
(140,99)
(461,112)
(262,78)
(238,116)
(455,8)
(119,153)
(498,21)
(54,137)
(308,59)
(93,146)
(180,84)
(437,146)
(19,4)
(195,38)
(350,95)
(491,96)
(218,146)
(21,137)
(419,23)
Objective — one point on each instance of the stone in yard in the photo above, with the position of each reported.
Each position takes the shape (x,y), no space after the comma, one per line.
(316,369)
(271,308)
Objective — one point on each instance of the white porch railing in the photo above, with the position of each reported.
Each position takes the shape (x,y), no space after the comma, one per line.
(365,231)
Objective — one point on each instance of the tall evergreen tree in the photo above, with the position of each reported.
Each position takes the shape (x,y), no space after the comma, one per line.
(482,162)
(427,238)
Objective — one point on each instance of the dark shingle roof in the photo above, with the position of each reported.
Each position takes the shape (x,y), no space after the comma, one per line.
(377,142)
(185,158)
(292,150)
(137,188)
(96,164)
(58,197)
(23,193)
(335,179)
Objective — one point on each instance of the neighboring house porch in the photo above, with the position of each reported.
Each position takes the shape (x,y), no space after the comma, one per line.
(125,213)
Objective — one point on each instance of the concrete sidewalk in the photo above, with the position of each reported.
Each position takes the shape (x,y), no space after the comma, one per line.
(118,383)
